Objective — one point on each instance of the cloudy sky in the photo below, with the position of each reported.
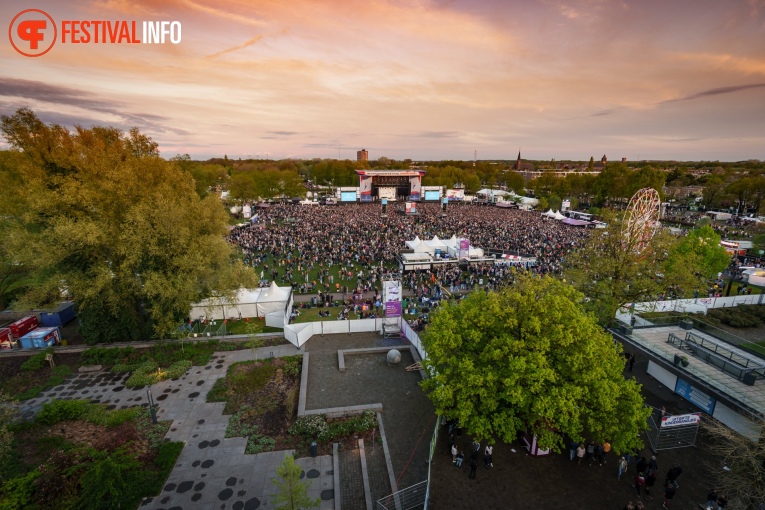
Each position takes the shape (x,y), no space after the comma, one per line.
(427,79)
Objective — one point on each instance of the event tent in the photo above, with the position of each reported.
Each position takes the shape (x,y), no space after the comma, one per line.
(246,303)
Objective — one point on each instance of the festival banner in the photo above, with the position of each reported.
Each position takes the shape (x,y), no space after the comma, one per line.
(464,249)
(415,185)
(392,298)
(365,188)
(681,419)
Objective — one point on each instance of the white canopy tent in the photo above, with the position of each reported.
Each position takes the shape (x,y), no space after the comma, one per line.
(246,303)
(559,216)
(434,244)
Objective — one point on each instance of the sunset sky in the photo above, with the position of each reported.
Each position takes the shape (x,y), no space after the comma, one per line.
(563,79)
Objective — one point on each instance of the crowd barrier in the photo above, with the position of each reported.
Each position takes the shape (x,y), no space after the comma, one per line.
(697,305)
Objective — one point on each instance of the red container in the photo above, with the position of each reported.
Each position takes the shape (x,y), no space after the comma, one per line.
(23,326)
(6,339)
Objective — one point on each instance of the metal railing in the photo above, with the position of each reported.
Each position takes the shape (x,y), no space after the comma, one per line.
(412,497)
(718,356)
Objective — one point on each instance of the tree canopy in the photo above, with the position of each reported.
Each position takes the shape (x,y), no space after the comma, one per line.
(625,274)
(104,219)
(529,358)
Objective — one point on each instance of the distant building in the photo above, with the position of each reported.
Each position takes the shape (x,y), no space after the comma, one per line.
(523,167)
(362,155)
(601,165)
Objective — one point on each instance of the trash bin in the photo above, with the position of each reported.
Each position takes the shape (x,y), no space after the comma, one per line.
(314,449)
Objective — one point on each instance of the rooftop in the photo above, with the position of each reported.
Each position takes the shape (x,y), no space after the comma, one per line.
(657,341)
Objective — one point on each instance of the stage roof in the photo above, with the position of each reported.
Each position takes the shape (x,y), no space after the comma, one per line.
(391,173)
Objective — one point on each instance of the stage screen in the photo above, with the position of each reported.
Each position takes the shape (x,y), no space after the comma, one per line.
(432,195)
(348,196)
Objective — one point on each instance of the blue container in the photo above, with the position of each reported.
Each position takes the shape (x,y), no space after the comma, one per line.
(40,338)
(58,317)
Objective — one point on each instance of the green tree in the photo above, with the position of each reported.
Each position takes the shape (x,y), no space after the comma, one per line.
(625,272)
(713,191)
(529,358)
(744,190)
(591,164)
(292,494)
(700,250)
(118,228)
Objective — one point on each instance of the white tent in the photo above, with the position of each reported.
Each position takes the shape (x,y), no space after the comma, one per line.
(549,214)
(413,244)
(559,216)
(246,303)
(434,244)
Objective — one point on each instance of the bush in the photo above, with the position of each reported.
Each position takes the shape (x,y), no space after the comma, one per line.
(62,410)
(17,493)
(36,362)
(109,356)
(259,444)
(310,427)
(178,369)
(238,427)
(293,365)
(98,415)
(142,375)
(319,429)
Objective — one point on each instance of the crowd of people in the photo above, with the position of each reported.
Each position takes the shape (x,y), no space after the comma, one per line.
(358,239)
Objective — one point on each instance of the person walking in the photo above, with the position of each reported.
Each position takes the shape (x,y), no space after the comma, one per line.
(622,468)
(650,479)
(599,453)
(572,446)
(606,451)
(711,499)
(580,453)
(672,475)
(639,483)
(721,502)
(454,453)
(488,456)
(473,467)
(590,452)
(631,362)
(669,493)
(460,458)
(653,466)
(642,465)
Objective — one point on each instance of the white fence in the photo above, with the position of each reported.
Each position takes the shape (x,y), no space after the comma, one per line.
(298,334)
(413,337)
(699,305)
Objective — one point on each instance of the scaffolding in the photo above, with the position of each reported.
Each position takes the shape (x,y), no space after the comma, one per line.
(667,438)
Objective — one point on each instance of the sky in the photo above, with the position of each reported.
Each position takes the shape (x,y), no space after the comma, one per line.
(424,80)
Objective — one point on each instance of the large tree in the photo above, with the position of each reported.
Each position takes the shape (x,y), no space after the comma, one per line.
(613,270)
(119,229)
(529,358)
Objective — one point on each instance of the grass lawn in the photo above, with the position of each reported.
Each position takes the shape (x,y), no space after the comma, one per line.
(313,274)
(253,327)
(758,348)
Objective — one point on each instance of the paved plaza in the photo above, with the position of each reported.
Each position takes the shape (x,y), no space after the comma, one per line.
(214,472)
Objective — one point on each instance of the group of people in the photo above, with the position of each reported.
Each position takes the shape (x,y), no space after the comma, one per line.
(358,239)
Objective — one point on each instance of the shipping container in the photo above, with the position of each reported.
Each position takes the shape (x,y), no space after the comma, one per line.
(58,316)
(23,326)
(41,338)
(6,338)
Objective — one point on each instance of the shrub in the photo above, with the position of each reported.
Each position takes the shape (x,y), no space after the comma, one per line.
(293,365)
(109,356)
(58,375)
(310,427)
(18,492)
(62,410)
(178,368)
(98,415)
(259,444)
(237,425)
(36,362)
(126,367)
(142,375)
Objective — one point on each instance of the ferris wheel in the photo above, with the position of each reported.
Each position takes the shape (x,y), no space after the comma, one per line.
(642,218)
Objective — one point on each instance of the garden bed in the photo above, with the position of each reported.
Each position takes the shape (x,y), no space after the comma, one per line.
(79,455)
(262,398)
